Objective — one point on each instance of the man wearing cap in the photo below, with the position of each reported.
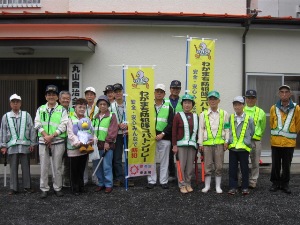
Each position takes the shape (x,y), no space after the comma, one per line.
(17,139)
(109,92)
(91,111)
(164,119)
(51,123)
(285,124)
(175,102)
(259,117)
(212,139)
(240,137)
(64,100)
(118,107)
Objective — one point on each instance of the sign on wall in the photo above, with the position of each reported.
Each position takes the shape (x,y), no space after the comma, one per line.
(75,81)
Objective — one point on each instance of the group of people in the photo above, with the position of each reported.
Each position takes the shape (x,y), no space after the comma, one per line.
(179,132)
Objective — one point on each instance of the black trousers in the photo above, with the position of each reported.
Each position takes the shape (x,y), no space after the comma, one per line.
(281,159)
(77,167)
(171,163)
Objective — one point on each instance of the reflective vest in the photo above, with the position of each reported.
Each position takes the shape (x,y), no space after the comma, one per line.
(101,127)
(238,143)
(284,129)
(187,140)
(74,121)
(50,122)
(211,140)
(162,117)
(16,139)
(255,117)
(114,109)
(71,112)
(178,107)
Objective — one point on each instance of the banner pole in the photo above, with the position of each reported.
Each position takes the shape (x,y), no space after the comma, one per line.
(186,64)
(124,136)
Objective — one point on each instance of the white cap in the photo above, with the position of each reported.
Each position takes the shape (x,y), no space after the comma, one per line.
(239,99)
(161,86)
(15,96)
(90,89)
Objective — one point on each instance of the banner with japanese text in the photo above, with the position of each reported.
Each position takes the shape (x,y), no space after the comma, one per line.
(139,87)
(75,83)
(201,71)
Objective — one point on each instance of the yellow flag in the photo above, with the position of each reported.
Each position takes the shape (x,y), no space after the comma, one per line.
(201,71)
(141,124)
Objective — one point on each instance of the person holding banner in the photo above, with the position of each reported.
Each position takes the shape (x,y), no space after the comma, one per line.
(184,136)
(118,107)
(51,123)
(175,102)
(164,120)
(77,159)
(212,139)
(17,139)
(91,111)
(106,129)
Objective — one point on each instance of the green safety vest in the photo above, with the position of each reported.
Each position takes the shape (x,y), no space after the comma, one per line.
(51,122)
(162,117)
(178,107)
(238,143)
(187,140)
(211,140)
(71,112)
(101,127)
(16,139)
(255,119)
(284,129)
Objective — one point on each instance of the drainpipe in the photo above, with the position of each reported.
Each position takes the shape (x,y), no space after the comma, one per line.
(252,15)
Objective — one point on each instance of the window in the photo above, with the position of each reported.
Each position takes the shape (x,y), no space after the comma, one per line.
(20,3)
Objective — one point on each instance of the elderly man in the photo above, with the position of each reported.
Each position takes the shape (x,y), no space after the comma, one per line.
(51,123)
(285,124)
(164,121)
(259,117)
(17,139)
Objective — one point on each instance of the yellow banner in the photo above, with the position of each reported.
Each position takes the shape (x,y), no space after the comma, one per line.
(141,125)
(201,71)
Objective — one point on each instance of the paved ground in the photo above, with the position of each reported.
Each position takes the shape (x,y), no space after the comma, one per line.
(139,205)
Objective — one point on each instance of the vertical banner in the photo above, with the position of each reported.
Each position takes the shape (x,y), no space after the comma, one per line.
(201,71)
(139,86)
(75,83)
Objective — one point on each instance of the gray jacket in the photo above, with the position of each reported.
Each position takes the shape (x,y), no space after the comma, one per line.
(249,131)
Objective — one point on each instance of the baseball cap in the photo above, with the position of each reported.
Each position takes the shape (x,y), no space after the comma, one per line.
(161,87)
(284,86)
(175,83)
(15,96)
(90,89)
(108,88)
(51,88)
(118,86)
(187,97)
(213,94)
(239,99)
(103,98)
(251,93)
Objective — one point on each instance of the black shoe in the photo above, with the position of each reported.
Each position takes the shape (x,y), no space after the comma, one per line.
(274,188)
(232,191)
(44,194)
(130,183)
(59,193)
(165,186)
(245,191)
(150,186)
(286,189)
(12,192)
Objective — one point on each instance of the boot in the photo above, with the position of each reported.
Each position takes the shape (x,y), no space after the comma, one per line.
(207,184)
(218,185)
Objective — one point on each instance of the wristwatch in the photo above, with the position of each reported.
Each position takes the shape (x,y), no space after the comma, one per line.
(163,133)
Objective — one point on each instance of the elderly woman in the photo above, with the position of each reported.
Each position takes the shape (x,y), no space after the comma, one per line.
(77,159)
(106,130)
(184,131)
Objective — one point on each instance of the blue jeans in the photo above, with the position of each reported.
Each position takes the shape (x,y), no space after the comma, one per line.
(104,171)
(234,158)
